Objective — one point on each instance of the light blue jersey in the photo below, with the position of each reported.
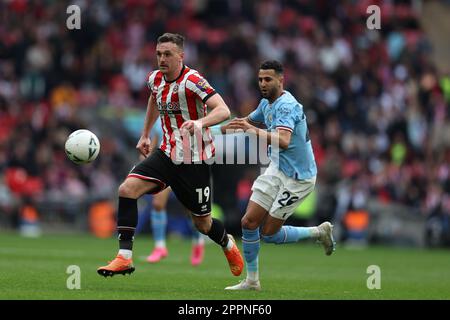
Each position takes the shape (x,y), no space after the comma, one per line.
(297,161)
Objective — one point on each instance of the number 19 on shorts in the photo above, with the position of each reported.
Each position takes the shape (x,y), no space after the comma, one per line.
(203,194)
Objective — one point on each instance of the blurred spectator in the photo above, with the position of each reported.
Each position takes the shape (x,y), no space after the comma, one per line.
(244,190)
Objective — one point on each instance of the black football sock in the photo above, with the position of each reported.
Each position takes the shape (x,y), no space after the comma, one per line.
(217,233)
(127,218)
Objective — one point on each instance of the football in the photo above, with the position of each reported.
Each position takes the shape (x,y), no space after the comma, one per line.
(82,146)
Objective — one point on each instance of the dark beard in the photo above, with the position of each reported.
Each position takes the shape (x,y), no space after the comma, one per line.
(269,95)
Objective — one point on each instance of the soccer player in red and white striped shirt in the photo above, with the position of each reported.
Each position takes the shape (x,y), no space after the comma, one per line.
(179,97)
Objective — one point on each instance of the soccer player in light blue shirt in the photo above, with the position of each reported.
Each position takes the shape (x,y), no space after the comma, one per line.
(290,177)
(286,114)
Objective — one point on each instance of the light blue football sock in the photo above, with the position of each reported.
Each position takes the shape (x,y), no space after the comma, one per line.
(289,234)
(250,244)
(159,225)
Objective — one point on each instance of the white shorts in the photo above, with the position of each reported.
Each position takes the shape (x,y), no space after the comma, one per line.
(279,194)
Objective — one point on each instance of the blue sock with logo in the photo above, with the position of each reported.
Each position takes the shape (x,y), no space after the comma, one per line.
(289,234)
(250,244)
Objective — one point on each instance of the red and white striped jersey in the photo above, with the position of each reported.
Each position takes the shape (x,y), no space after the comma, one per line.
(180,100)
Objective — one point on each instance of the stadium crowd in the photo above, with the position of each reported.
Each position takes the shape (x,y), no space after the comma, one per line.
(377,106)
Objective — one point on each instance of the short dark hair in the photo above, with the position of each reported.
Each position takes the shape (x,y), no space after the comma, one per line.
(176,38)
(272,64)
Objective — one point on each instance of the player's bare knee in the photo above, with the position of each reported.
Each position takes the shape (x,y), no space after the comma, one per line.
(202,225)
(249,224)
(126,191)
(158,205)
(203,228)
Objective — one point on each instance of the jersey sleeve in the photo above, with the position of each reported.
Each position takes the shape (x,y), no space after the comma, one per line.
(151,80)
(286,117)
(200,87)
(257,115)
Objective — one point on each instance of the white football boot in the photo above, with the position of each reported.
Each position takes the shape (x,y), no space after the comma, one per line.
(326,237)
(246,284)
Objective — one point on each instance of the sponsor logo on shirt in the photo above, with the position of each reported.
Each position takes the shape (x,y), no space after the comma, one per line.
(169,108)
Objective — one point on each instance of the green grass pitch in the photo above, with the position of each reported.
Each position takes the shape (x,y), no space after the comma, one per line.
(36,269)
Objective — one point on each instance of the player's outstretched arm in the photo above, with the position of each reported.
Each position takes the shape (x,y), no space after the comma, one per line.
(230,127)
(227,129)
(282,136)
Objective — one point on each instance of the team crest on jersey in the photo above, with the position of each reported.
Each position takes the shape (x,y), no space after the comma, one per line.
(175,88)
(203,85)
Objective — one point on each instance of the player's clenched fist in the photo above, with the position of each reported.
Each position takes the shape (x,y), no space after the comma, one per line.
(143,146)
(239,124)
(191,126)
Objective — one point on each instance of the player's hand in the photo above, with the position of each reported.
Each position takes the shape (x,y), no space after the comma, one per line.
(191,126)
(143,146)
(239,124)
